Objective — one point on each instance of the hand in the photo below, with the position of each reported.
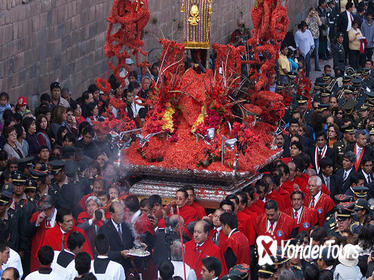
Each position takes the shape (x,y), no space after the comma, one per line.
(125,253)
(42,215)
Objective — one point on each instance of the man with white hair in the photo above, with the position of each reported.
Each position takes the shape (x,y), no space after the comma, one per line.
(318,200)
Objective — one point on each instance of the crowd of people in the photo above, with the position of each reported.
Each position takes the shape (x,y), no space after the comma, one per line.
(66,211)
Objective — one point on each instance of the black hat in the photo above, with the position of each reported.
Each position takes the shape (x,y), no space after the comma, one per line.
(364,107)
(360,191)
(4,200)
(343,198)
(36,174)
(27,161)
(325,93)
(68,151)
(266,271)
(30,185)
(340,34)
(371,132)
(347,79)
(348,129)
(348,90)
(231,277)
(55,85)
(350,205)
(343,213)
(7,190)
(46,202)
(362,204)
(326,77)
(357,81)
(349,106)
(302,100)
(322,107)
(18,178)
(56,166)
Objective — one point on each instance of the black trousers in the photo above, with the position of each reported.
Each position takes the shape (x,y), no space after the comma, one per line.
(354,59)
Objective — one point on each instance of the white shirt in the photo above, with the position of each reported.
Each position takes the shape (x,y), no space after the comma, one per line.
(36,275)
(67,273)
(316,198)
(304,41)
(114,271)
(349,25)
(116,226)
(14,261)
(299,212)
(367,176)
(346,173)
(269,224)
(178,270)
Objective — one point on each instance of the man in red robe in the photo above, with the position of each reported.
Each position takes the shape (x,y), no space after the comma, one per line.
(318,200)
(191,201)
(275,223)
(305,217)
(201,247)
(188,213)
(39,223)
(236,249)
(245,224)
(57,236)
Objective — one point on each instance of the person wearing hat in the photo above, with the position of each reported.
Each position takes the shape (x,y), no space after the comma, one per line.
(9,216)
(340,146)
(266,271)
(211,268)
(348,263)
(41,178)
(59,178)
(358,190)
(236,248)
(362,209)
(338,55)
(56,99)
(19,196)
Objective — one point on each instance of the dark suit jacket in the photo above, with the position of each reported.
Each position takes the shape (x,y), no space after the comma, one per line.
(332,184)
(329,154)
(367,153)
(341,186)
(115,242)
(343,22)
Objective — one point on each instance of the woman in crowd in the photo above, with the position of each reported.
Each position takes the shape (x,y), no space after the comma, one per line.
(333,134)
(58,119)
(21,139)
(42,131)
(31,138)
(355,37)
(12,147)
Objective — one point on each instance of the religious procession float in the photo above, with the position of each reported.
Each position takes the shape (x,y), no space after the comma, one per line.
(191,135)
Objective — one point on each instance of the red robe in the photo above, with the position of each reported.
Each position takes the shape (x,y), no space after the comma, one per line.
(36,241)
(53,238)
(240,247)
(323,206)
(188,213)
(258,207)
(274,195)
(83,217)
(302,182)
(221,237)
(245,225)
(287,186)
(308,219)
(194,257)
(282,230)
(199,209)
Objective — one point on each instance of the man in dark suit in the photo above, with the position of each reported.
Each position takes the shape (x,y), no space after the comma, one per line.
(345,24)
(321,151)
(119,235)
(366,170)
(326,174)
(360,149)
(342,176)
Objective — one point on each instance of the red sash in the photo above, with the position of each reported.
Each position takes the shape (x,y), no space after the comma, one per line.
(316,156)
(357,162)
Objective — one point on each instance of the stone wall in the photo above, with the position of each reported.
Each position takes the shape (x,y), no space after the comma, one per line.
(46,40)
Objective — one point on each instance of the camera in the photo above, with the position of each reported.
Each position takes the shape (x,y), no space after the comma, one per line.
(98,214)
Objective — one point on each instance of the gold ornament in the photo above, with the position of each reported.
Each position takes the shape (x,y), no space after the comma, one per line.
(194,18)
